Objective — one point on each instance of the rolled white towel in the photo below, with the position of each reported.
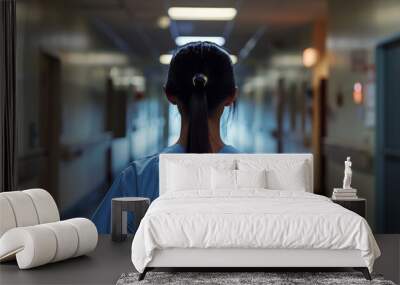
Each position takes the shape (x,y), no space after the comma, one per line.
(40,244)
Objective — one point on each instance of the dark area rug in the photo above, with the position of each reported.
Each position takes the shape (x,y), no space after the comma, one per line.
(228,278)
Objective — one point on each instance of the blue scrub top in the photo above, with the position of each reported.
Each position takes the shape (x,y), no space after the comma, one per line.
(139,179)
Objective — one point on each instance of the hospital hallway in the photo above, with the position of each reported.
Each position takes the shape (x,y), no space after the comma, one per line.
(313,76)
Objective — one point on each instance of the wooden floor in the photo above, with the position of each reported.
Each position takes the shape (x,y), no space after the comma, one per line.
(110,260)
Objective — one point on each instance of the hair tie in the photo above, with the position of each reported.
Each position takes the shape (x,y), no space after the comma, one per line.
(199,80)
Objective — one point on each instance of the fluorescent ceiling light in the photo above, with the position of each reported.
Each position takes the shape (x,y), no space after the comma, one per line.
(95,58)
(165,58)
(287,60)
(180,41)
(201,13)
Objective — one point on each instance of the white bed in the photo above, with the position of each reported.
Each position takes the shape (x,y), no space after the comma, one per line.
(249,227)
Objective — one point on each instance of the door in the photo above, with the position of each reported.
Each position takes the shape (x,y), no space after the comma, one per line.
(388,136)
(50,121)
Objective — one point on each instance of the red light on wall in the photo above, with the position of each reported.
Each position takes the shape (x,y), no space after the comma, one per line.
(358,96)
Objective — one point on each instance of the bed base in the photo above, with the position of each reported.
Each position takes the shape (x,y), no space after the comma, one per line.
(363,270)
(245,259)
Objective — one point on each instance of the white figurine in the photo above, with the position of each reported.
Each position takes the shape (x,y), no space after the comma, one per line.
(347,174)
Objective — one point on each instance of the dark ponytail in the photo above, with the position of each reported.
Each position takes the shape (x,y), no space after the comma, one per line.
(198,134)
(201,76)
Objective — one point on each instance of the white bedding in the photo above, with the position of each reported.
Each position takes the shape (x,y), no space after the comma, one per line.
(251,218)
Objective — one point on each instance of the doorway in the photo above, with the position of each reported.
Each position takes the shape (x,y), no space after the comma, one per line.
(388,136)
(50,121)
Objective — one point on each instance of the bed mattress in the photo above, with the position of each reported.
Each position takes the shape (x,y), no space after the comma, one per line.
(250,219)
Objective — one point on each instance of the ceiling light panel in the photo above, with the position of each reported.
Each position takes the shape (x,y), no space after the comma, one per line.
(166,58)
(202,13)
(182,40)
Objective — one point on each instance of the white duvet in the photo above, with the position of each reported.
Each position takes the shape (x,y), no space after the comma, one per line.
(250,219)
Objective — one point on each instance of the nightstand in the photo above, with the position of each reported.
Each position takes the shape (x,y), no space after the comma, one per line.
(358,205)
(119,216)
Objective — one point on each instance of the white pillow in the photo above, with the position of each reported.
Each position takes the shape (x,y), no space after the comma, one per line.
(251,178)
(223,179)
(227,179)
(181,177)
(292,180)
(285,174)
